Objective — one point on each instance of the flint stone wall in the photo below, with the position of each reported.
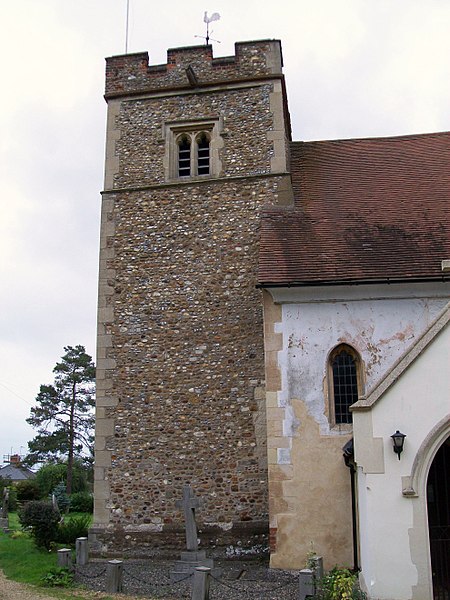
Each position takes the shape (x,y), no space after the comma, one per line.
(142,142)
(131,73)
(180,388)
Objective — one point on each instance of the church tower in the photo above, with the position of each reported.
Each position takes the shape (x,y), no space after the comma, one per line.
(195,148)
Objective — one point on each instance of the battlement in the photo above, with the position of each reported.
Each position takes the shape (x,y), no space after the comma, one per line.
(192,67)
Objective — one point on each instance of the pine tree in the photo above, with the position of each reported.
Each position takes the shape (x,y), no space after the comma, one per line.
(63,416)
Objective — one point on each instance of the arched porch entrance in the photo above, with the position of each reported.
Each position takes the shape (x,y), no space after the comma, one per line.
(438,503)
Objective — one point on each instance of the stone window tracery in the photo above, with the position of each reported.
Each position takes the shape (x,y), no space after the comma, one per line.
(192,149)
(193,154)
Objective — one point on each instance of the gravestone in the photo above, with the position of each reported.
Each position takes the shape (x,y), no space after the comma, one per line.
(188,505)
(55,503)
(192,557)
(5,503)
(4,522)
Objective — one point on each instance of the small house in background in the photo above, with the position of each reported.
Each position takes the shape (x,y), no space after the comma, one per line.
(15,471)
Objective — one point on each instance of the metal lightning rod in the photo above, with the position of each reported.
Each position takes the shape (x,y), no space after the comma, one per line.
(126,27)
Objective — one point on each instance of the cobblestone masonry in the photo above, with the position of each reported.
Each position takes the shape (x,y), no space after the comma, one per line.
(180,390)
(131,74)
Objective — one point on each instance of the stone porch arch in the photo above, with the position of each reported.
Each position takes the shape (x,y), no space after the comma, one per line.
(414,487)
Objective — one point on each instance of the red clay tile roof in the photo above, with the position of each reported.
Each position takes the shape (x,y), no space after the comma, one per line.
(365,210)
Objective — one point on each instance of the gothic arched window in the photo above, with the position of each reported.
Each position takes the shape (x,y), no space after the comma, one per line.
(193,149)
(345,382)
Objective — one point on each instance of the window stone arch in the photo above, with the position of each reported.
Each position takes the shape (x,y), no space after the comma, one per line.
(192,149)
(344,383)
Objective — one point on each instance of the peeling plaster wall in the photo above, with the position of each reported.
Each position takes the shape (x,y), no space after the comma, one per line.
(309,485)
(380,330)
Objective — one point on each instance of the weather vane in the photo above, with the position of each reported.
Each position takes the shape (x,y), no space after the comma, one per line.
(208,20)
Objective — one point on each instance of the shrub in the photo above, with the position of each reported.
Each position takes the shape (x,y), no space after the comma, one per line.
(27,490)
(58,577)
(16,535)
(61,497)
(340,584)
(73,528)
(41,519)
(81,502)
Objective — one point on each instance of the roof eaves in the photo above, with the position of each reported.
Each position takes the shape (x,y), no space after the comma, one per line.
(332,282)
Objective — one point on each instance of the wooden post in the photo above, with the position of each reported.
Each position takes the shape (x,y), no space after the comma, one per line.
(81,551)
(200,587)
(306,584)
(65,558)
(114,573)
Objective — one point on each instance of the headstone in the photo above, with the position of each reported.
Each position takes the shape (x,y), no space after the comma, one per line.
(5,503)
(188,505)
(55,503)
(4,521)
(192,557)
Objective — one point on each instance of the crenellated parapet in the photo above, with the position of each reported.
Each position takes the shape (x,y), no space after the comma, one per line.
(192,67)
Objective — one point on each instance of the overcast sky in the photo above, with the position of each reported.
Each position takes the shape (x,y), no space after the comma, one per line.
(354,68)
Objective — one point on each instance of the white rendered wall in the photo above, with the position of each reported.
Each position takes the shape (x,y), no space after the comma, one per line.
(393,527)
(309,490)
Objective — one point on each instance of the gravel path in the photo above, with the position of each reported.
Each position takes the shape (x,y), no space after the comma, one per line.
(239,580)
(11,590)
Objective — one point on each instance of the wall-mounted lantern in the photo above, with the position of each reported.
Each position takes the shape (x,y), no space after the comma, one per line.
(399,439)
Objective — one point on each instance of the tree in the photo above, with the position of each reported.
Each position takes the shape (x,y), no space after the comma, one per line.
(64,416)
(50,474)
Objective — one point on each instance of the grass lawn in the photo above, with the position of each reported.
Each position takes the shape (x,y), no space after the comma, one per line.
(21,561)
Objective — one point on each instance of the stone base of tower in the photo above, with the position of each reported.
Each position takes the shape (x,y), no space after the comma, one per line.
(142,541)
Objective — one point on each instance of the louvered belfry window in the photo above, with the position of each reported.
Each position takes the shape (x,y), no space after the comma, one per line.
(203,154)
(184,156)
(345,383)
(193,154)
